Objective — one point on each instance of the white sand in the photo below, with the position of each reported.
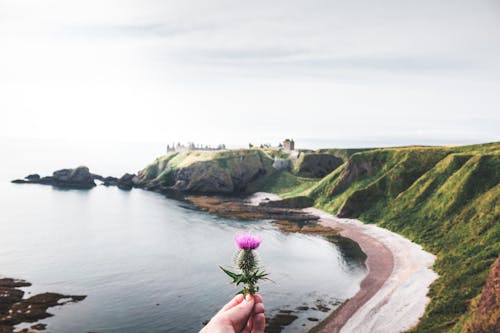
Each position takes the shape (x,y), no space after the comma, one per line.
(401,301)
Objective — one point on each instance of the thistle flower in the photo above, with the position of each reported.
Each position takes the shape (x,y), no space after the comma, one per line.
(246,261)
(247,242)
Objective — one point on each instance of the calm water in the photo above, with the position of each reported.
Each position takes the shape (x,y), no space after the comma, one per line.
(147,263)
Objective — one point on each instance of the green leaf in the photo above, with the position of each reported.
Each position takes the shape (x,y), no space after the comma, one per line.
(234,276)
(241,279)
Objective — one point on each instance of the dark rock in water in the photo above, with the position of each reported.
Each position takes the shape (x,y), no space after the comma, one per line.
(312,319)
(8,297)
(302,308)
(13,283)
(78,178)
(234,208)
(74,178)
(126,182)
(278,322)
(98,177)
(39,327)
(109,181)
(15,310)
(33,177)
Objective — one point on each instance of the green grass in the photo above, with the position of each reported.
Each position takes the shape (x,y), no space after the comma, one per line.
(444,198)
(281,182)
(343,153)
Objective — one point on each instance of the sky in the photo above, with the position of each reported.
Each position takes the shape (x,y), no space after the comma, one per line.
(326,73)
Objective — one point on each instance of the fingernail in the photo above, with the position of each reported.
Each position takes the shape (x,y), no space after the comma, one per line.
(249,298)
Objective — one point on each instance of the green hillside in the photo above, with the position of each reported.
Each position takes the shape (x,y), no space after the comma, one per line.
(445,198)
(222,171)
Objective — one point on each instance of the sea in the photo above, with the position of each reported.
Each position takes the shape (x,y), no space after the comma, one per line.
(148,263)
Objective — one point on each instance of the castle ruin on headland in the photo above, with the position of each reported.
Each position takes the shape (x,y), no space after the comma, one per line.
(191,146)
(289,144)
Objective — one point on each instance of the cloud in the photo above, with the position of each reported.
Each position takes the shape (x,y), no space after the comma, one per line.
(348,67)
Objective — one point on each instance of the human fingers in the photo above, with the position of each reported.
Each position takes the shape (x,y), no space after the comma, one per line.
(235,301)
(239,314)
(259,323)
(248,326)
(258,298)
(258,308)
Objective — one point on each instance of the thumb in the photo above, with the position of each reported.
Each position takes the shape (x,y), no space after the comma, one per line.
(240,313)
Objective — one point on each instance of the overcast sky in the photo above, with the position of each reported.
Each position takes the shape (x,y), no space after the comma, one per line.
(333,73)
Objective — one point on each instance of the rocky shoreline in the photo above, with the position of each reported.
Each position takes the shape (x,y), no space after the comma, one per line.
(79,178)
(286,219)
(15,310)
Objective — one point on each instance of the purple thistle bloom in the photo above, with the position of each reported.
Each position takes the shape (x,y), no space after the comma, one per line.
(247,242)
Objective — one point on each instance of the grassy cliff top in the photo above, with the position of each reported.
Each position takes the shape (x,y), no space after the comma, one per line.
(444,198)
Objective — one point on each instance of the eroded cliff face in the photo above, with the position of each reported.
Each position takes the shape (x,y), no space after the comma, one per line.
(205,171)
(316,165)
(485,313)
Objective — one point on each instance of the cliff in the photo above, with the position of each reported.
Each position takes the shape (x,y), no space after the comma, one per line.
(445,198)
(316,165)
(218,172)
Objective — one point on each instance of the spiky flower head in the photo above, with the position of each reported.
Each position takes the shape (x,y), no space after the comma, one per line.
(247,263)
(247,242)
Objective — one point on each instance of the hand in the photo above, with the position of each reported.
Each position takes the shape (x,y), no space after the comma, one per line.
(241,314)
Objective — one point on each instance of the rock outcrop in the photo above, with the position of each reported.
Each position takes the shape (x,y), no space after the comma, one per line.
(205,172)
(15,310)
(78,178)
(125,182)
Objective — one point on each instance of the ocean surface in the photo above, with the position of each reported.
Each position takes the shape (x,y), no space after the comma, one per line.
(148,263)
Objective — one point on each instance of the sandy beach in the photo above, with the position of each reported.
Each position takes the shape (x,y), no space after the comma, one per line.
(393,295)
